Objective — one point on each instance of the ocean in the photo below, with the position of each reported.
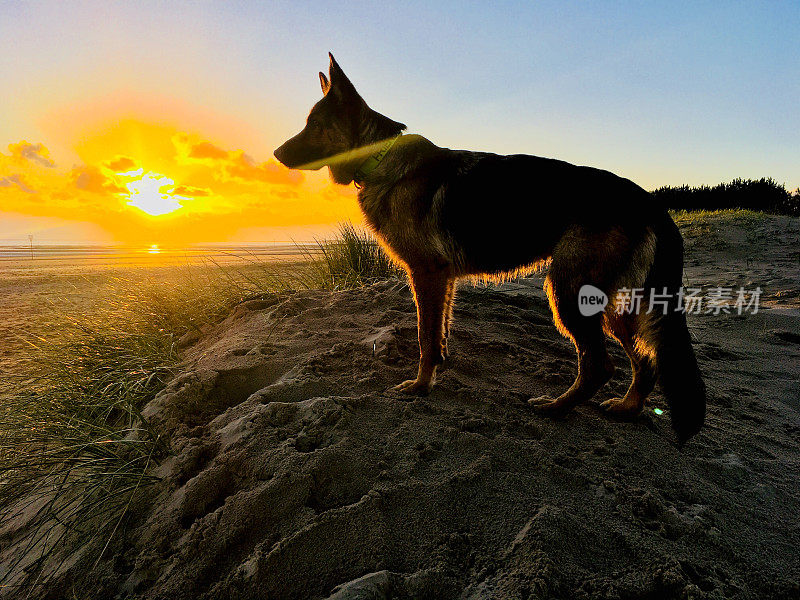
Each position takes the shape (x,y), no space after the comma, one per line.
(16,255)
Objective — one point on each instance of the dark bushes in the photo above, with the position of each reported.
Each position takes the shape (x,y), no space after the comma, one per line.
(765,195)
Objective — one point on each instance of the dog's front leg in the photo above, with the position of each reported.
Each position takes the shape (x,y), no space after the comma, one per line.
(449,300)
(430,294)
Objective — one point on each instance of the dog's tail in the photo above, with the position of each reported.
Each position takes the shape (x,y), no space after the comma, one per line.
(665,337)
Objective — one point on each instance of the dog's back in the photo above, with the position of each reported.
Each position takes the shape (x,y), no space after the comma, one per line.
(506,212)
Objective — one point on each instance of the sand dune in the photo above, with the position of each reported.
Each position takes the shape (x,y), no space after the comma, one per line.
(295,473)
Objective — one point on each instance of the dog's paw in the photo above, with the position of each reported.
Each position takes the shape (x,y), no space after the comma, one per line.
(549,407)
(619,408)
(414,387)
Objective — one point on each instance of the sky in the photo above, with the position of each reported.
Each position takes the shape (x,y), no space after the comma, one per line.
(114,111)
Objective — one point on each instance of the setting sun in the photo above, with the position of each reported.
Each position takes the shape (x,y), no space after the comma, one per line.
(149,194)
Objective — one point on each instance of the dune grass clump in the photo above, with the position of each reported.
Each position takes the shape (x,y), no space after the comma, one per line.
(738,216)
(74,450)
(352,259)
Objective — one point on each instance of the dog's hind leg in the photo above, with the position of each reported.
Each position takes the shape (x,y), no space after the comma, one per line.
(623,329)
(594,364)
(430,293)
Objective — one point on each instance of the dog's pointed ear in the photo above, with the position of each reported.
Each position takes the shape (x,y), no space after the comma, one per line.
(339,82)
(333,66)
(324,83)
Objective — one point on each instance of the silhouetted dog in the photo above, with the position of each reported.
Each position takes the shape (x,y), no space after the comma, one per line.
(449,214)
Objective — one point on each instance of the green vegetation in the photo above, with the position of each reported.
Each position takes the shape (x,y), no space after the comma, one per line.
(736,216)
(352,259)
(75,452)
(764,195)
(704,228)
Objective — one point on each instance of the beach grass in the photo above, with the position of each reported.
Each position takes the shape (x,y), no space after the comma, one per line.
(352,259)
(704,227)
(75,452)
(738,216)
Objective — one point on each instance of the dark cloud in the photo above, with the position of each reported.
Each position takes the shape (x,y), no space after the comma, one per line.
(121,164)
(190,192)
(92,179)
(36,153)
(16,181)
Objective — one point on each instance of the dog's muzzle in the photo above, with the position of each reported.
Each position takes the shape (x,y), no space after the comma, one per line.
(282,155)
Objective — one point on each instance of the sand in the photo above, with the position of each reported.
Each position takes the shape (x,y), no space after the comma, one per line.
(295,474)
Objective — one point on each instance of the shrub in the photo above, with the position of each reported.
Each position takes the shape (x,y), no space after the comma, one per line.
(764,195)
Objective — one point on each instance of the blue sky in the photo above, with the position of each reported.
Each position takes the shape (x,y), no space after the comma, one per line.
(696,92)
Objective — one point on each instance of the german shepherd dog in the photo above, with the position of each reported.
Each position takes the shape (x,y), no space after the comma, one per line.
(451,214)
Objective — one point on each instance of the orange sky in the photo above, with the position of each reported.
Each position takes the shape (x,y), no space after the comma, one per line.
(181,104)
(156,170)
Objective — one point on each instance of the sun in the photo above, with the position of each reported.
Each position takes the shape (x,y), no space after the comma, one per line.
(147,195)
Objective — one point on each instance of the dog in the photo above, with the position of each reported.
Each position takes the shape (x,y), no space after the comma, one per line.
(449,214)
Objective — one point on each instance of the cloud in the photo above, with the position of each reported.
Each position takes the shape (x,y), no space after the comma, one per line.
(233,165)
(121,164)
(194,152)
(241,167)
(16,180)
(36,153)
(207,150)
(190,192)
(92,179)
